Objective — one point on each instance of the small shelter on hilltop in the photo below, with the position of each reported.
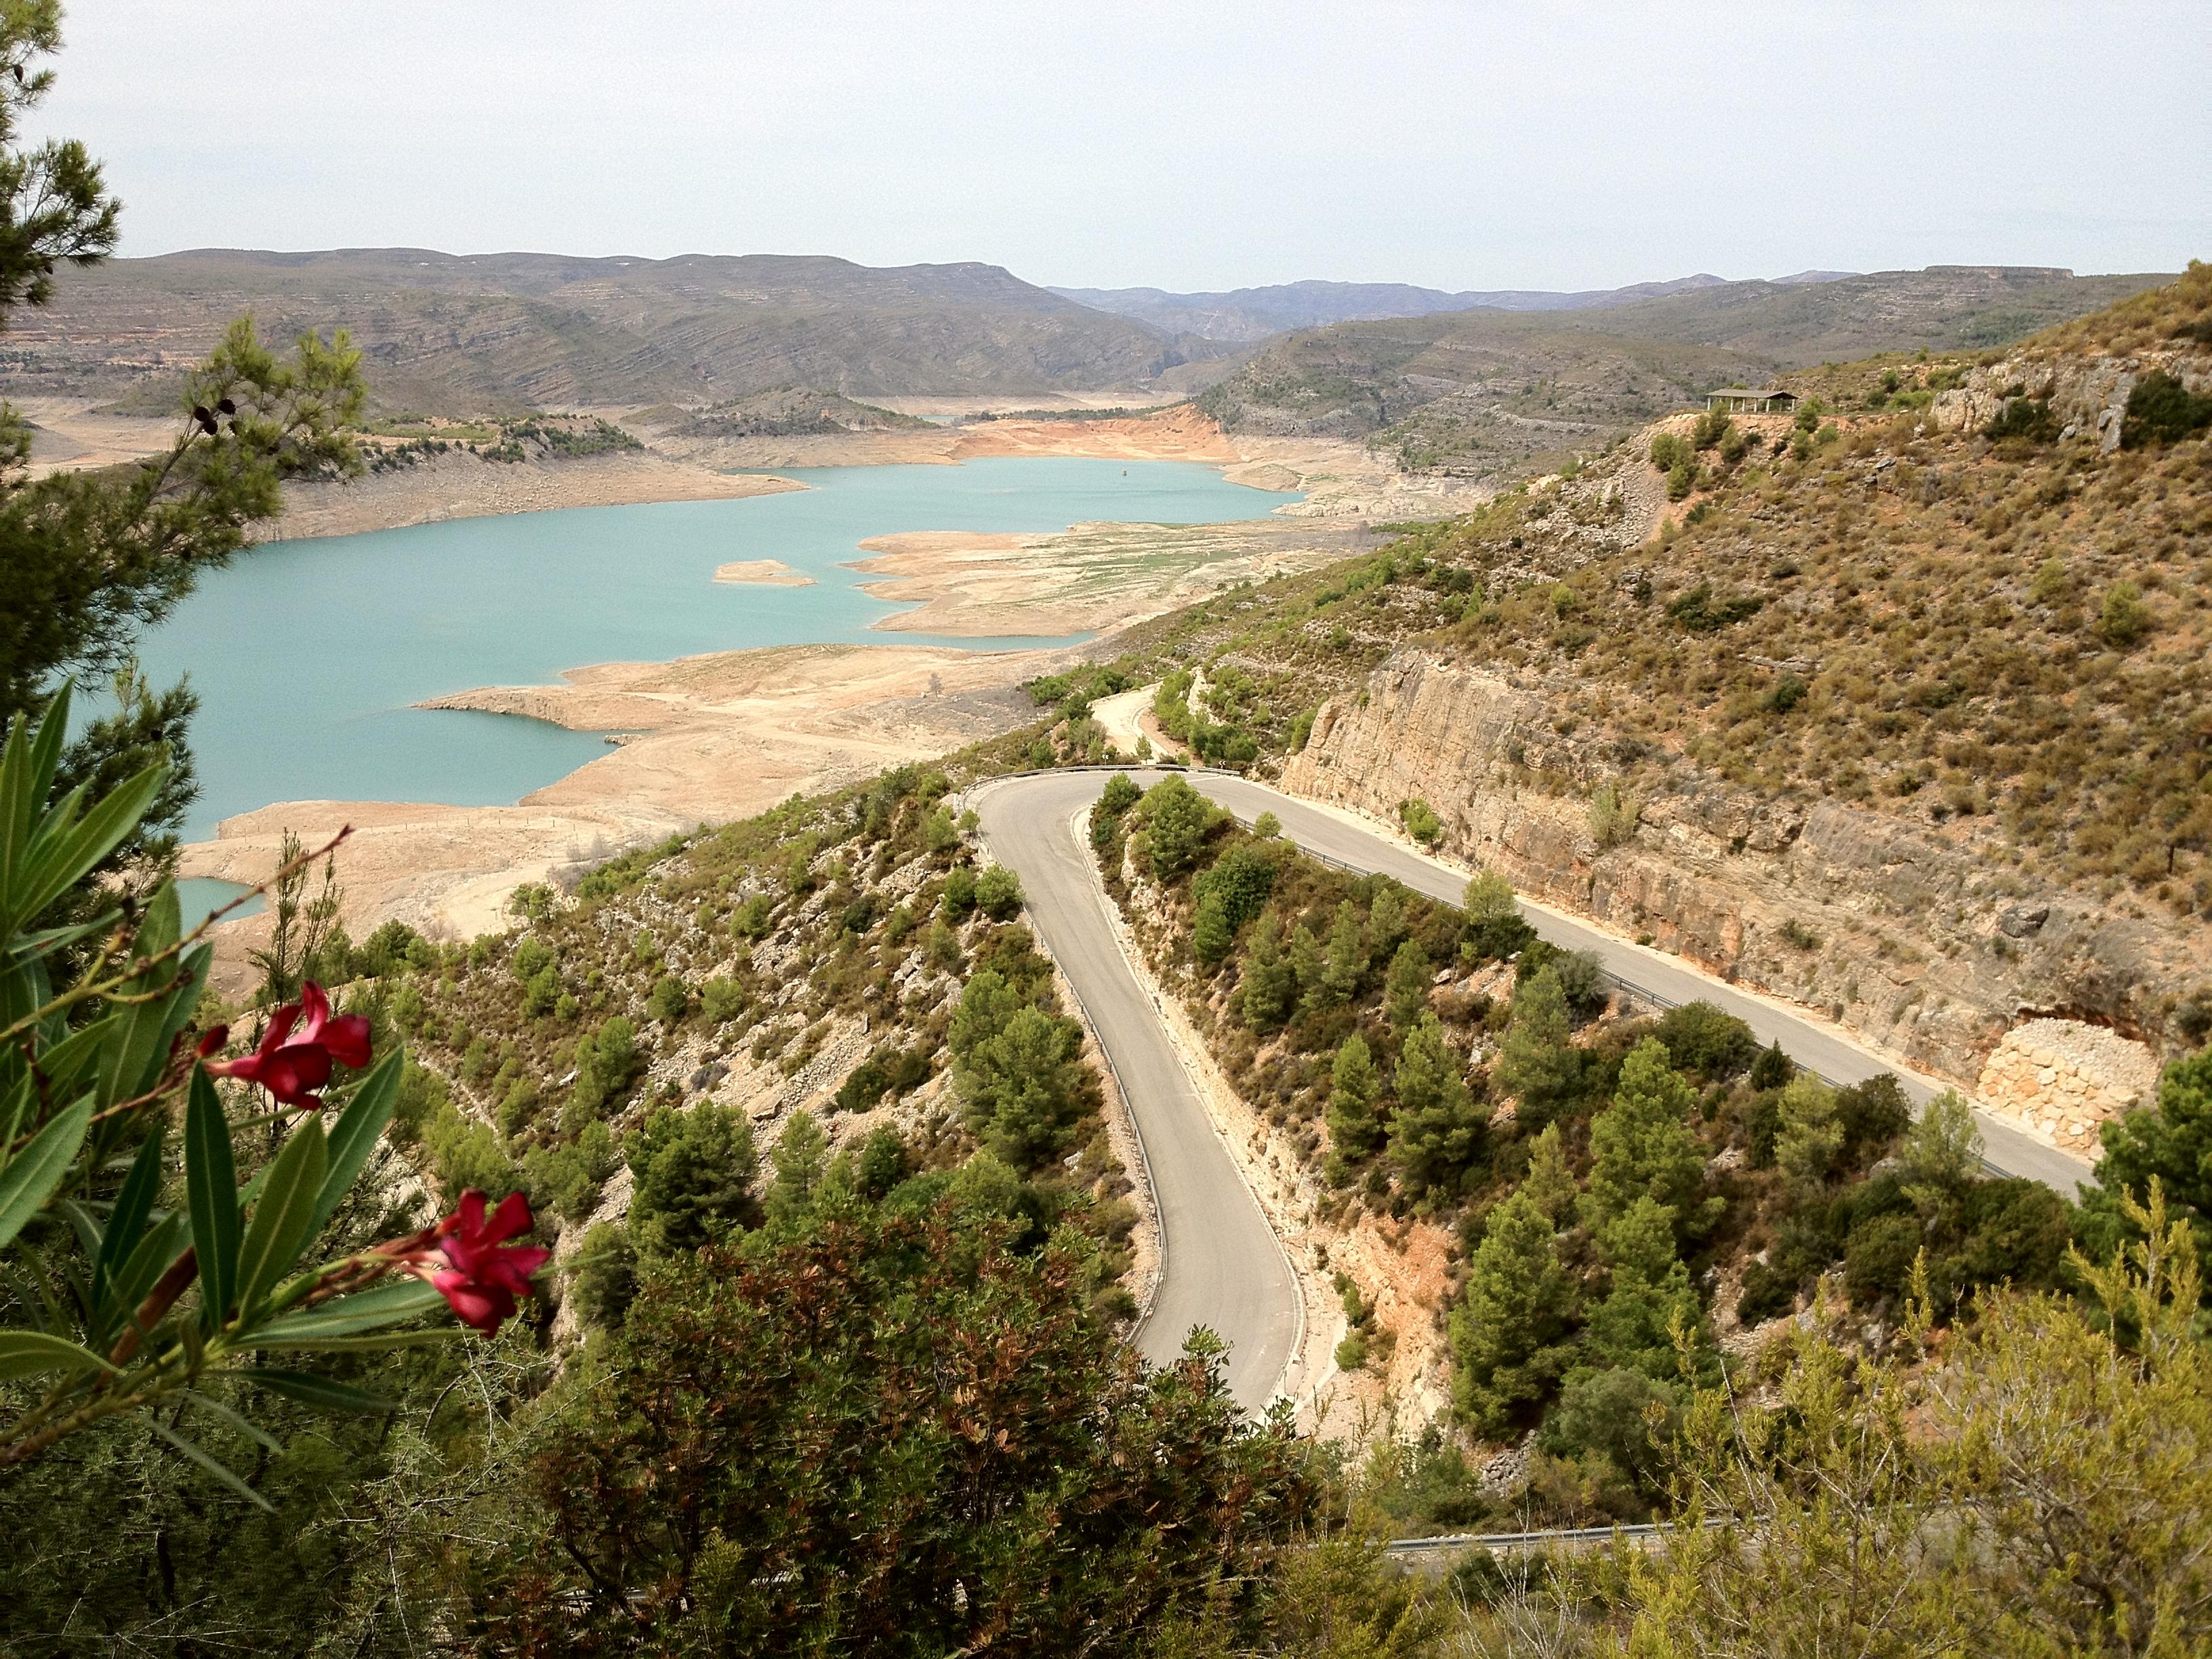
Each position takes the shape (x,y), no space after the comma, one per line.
(1771,400)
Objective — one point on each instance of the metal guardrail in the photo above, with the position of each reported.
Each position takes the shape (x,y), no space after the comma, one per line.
(1496,1540)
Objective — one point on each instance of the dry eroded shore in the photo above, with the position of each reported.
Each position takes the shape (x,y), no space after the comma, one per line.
(703,739)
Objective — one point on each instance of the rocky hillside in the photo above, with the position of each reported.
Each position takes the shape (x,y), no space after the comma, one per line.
(447,334)
(796,987)
(1899,712)
(1487,392)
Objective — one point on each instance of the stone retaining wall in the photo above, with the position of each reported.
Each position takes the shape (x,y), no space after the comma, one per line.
(2061,1079)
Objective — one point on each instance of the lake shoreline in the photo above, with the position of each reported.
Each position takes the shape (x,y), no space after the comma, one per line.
(704,739)
(707,738)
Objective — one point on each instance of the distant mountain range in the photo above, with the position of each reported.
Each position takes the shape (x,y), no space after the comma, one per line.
(1254,314)
(506,332)
(447,333)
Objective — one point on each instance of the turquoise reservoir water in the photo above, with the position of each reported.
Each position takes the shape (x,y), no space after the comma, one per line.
(197,897)
(306,655)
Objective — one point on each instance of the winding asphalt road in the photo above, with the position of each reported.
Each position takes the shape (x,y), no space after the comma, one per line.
(1222,1264)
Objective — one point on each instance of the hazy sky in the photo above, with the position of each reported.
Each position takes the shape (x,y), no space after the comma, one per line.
(1193,145)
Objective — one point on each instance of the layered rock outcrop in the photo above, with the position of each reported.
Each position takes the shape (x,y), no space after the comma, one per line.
(2086,394)
(1919,943)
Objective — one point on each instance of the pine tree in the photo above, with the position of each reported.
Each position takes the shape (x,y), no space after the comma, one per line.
(1177,820)
(1266,980)
(2170,1144)
(1438,1126)
(800,1159)
(1549,1183)
(1641,1144)
(1386,919)
(1345,963)
(1306,966)
(1634,1325)
(90,558)
(1211,933)
(1354,1128)
(1641,1239)
(1508,1334)
(1773,1068)
(693,1174)
(1489,897)
(1406,987)
(1536,1064)
(1809,1134)
(1022,1085)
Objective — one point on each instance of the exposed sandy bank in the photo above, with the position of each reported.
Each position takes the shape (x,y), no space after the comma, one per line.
(712,738)
(461,486)
(71,438)
(762,573)
(1092,577)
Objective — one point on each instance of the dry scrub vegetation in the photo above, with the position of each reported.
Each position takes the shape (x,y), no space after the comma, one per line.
(2003,638)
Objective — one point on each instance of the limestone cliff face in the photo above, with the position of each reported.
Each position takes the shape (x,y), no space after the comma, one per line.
(1920,943)
(2089,393)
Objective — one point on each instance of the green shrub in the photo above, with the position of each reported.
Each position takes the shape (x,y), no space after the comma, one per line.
(1119,794)
(542,993)
(2162,410)
(998,893)
(1705,1042)
(1612,817)
(2124,619)
(2028,418)
(465,1154)
(1878,1257)
(889,1070)
(750,919)
(1767,1294)
(1243,876)
(1420,821)
(532,956)
(721,1000)
(959,901)
(669,1000)
(1701,610)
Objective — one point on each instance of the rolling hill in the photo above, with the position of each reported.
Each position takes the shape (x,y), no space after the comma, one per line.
(1483,391)
(452,334)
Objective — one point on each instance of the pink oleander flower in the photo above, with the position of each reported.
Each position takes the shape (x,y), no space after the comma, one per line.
(293,1066)
(485,1275)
